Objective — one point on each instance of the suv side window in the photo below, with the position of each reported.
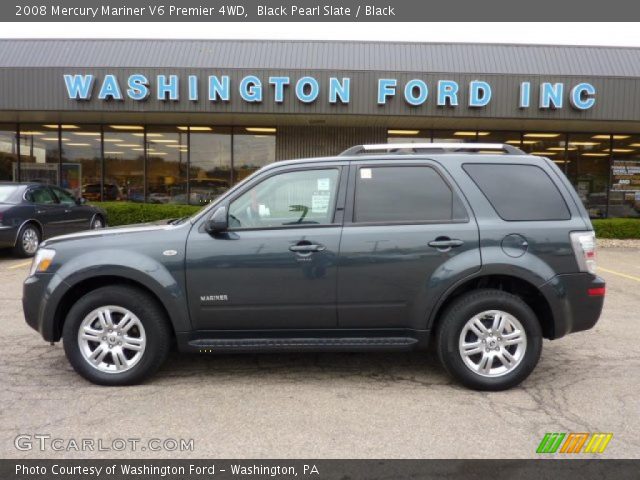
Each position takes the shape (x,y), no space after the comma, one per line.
(64,197)
(41,195)
(406,194)
(519,192)
(300,197)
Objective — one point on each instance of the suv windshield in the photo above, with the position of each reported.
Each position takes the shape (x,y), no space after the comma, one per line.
(6,192)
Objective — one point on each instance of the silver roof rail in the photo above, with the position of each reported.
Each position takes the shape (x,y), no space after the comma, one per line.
(404,148)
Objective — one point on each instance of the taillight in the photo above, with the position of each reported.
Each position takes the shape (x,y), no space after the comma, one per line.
(584,247)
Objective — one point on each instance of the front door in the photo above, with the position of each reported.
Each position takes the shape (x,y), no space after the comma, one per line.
(407,236)
(275,268)
(76,217)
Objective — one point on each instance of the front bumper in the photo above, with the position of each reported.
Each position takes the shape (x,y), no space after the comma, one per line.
(41,295)
(573,307)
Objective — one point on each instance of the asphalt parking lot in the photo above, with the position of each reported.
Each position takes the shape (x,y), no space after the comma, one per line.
(329,405)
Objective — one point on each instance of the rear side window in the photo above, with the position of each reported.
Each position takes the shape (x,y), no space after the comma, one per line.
(519,192)
(404,194)
(42,195)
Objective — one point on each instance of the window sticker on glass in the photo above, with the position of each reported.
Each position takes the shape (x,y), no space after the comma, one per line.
(365,173)
(324,184)
(320,202)
(264,211)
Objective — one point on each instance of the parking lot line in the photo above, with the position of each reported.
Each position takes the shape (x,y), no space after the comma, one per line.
(18,265)
(620,274)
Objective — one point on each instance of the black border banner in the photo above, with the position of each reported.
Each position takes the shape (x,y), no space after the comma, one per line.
(200,469)
(316,10)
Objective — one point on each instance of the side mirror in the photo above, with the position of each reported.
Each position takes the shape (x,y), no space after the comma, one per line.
(81,201)
(218,221)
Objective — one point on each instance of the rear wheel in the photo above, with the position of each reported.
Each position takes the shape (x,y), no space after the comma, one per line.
(28,241)
(116,335)
(489,340)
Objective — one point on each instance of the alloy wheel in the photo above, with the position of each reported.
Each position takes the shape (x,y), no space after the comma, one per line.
(97,223)
(30,240)
(492,343)
(112,339)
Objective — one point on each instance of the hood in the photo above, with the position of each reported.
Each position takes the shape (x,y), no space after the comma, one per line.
(112,231)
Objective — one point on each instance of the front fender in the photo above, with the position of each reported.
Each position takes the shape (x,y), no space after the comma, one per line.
(159,278)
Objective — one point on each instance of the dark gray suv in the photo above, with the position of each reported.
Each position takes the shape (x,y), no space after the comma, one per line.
(478,248)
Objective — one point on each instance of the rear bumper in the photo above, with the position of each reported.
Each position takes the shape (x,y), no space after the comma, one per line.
(8,236)
(573,303)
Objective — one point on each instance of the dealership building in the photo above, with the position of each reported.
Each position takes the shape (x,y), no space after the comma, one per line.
(180,121)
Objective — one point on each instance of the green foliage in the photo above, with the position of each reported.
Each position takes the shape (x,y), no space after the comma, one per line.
(617,228)
(127,213)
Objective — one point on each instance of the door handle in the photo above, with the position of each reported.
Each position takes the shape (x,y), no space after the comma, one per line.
(307,248)
(445,243)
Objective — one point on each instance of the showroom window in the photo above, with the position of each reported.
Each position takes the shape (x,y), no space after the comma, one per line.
(588,156)
(8,153)
(546,144)
(40,153)
(210,163)
(253,148)
(167,164)
(510,138)
(458,136)
(80,170)
(624,196)
(123,163)
(400,135)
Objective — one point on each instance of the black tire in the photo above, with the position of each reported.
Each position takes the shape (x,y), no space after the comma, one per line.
(153,318)
(465,308)
(19,248)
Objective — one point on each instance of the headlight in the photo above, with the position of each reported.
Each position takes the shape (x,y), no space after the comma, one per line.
(42,261)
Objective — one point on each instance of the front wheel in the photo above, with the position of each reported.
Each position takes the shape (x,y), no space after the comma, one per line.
(489,340)
(97,222)
(116,335)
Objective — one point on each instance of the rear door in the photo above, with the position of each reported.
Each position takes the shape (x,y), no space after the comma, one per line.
(48,211)
(407,236)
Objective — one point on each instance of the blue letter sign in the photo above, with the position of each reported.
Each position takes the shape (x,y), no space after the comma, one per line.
(79,87)
(479,93)
(582,96)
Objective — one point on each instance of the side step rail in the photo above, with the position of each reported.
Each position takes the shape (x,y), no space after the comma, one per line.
(214,345)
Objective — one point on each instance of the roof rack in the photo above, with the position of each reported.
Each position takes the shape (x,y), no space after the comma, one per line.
(408,148)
